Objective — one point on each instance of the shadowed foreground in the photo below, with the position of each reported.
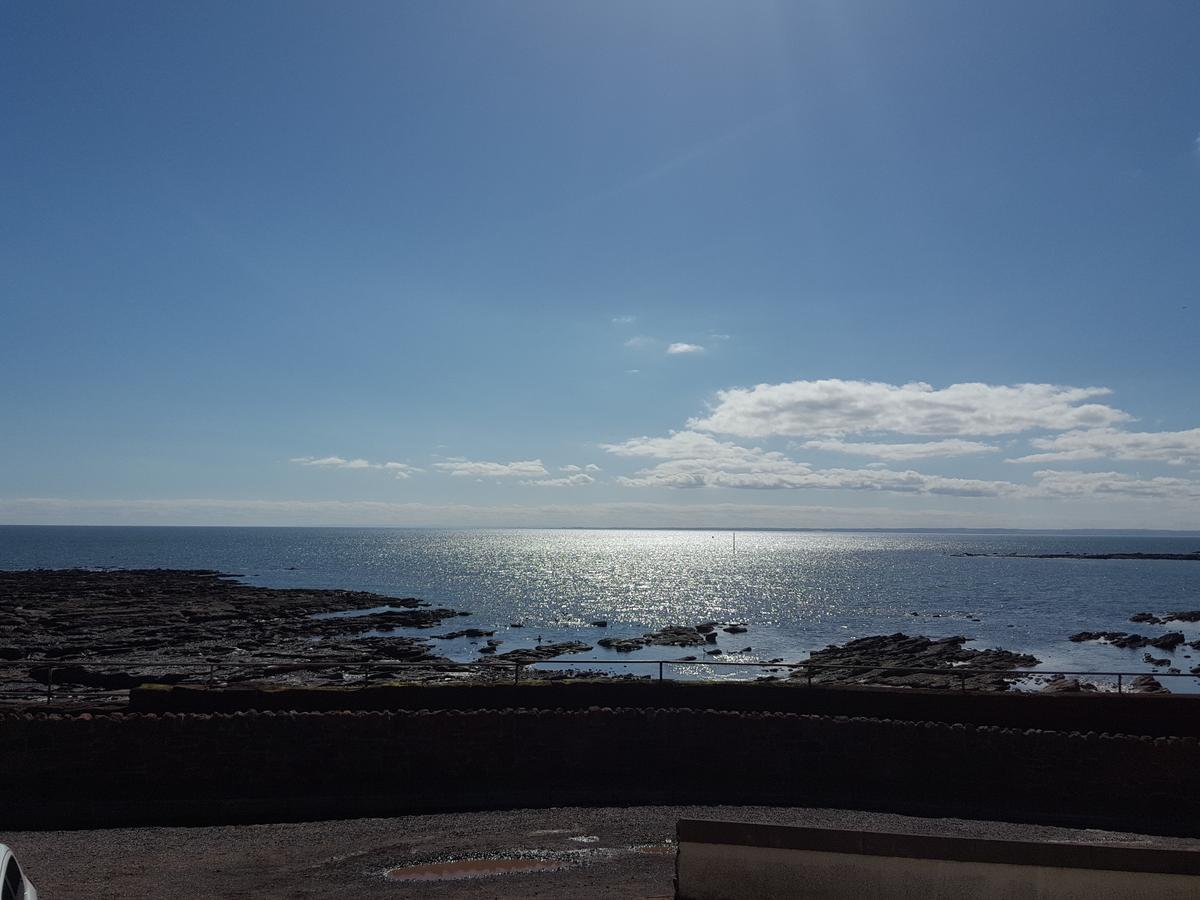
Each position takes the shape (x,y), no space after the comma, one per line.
(605,851)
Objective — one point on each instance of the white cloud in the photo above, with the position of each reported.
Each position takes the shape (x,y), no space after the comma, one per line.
(1174,447)
(570,468)
(336,462)
(592,467)
(680,347)
(624,320)
(399,469)
(719,337)
(640,342)
(693,460)
(466,468)
(577,480)
(835,407)
(1074,484)
(922,450)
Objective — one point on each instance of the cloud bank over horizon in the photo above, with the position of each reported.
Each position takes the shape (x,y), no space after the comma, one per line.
(890,424)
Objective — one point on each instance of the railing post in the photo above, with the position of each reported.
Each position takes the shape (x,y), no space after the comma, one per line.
(212,672)
(516,673)
(660,674)
(49,684)
(808,672)
(962,682)
(1119,683)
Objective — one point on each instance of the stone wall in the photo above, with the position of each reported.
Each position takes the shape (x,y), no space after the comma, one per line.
(1161,714)
(133,769)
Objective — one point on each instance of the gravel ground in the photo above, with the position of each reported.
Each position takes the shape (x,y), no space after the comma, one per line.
(614,852)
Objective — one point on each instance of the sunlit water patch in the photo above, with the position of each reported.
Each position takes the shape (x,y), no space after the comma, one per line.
(797,591)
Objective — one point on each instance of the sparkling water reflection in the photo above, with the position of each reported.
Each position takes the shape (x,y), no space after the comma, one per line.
(797,591)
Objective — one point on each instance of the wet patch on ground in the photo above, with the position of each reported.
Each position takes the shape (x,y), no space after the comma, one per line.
(460,869)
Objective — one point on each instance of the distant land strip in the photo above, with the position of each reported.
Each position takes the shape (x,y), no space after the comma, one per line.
(1195,557)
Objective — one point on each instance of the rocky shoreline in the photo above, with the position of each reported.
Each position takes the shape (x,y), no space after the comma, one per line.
(145,619)
(111,630)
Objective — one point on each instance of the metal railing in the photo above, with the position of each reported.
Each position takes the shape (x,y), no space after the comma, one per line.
(206,671)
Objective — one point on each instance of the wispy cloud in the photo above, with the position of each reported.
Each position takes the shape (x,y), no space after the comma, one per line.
(641,342)
(1074,484)
(577,480)
(920,450)
(624,320)
(461,467)
(684,348)
(1174,447)
(694,460)
(834,408)
(399,469)
(590,467)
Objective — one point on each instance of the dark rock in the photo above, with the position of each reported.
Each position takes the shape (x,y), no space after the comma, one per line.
(1147,618)
(465,633)
(716,652)
(945,663)
(1147,684)
(1146,657)
(94,678)
(600,623)
(146,617)
(735,629)
(1062,685)
(1168,641)
(543,652)
(671,636)
(1128,641)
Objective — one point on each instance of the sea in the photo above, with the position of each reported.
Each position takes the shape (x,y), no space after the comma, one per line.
(795,591)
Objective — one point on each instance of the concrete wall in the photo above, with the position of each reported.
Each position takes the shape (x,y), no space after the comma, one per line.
(127,769)
(729,861)
(722,872)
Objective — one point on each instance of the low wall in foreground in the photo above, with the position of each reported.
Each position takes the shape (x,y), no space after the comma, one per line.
(732,860)
(136,769)
(1155,714)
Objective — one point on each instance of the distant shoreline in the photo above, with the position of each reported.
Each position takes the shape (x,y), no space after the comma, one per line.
(1060,532)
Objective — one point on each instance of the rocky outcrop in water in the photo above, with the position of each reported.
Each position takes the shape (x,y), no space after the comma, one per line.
(1151,619)
(866,660)
(541,653)
(1060,684)
(1147,684)
(671,636)
(1129,641)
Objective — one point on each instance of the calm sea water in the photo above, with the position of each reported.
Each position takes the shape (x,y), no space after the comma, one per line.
(796,591)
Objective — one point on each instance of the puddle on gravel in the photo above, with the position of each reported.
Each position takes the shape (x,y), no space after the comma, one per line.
(472,868)
(655,849)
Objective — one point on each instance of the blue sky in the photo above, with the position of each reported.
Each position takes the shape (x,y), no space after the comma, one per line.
(251,253)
